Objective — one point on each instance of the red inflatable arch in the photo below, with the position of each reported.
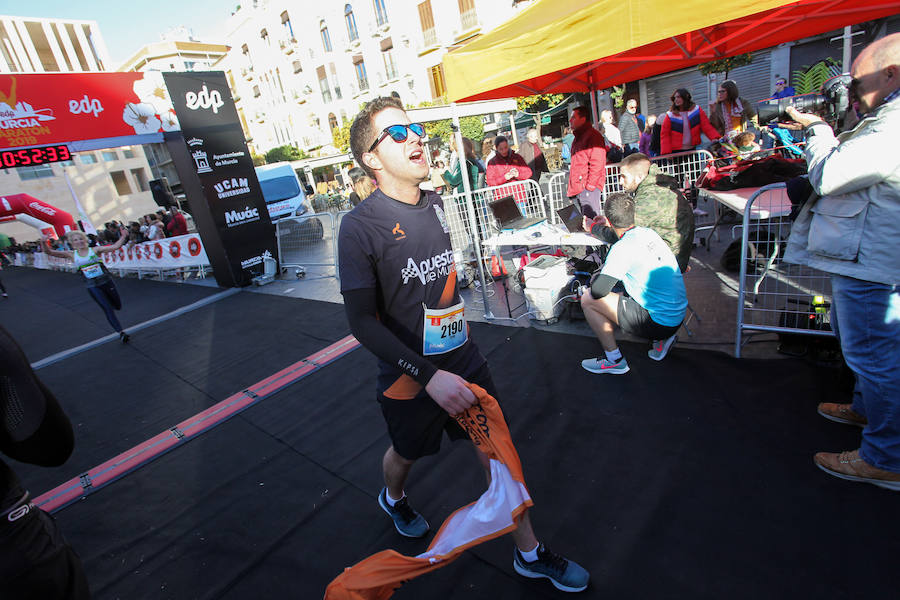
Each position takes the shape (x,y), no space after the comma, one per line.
(23,204)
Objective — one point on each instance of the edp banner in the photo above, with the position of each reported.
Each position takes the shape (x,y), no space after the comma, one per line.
(233,221)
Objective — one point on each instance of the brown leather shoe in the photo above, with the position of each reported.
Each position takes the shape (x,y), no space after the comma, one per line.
(848,465)
(841,413)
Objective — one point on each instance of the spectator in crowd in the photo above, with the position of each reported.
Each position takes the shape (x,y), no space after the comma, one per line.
(487,151)
(612,136)
(659,205)
(646,138)
(745,144)
(362,185)
(730,114)
(134,234)
(782,89)
(177,224)
(849,229)
(154,229)
(587,173)
(36,562)
(680,130)
(453,177)
(2,287)
(533,154)
(165,218)
(631,124)
(506,165)
(566,151)
(654,304)
(656,135)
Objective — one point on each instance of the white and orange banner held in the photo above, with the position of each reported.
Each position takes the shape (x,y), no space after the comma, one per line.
(492,515)
(169,253)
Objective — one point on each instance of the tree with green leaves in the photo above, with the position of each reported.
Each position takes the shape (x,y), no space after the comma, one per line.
(724,65)
(341,136)
(284,153)
(809,78)
(537,104)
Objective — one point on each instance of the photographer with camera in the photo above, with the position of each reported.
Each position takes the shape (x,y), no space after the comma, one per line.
(850,228)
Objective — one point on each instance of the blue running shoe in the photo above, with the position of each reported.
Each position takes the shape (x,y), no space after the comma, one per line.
(408,522)
(564,574)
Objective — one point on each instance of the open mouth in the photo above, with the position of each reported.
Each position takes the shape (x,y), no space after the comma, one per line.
(417,157)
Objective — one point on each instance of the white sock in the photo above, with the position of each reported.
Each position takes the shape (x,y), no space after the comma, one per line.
(391,502)
(613,355)
(531,555)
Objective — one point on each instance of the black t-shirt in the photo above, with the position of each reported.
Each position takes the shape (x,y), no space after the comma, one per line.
(403,252)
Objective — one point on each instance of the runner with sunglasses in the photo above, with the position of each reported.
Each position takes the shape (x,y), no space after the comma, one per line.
(397,275)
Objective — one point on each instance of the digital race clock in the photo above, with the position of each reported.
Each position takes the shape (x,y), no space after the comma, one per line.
(27,157)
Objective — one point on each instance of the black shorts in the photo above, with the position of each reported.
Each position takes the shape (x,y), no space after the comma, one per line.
(635,320)
(415,426)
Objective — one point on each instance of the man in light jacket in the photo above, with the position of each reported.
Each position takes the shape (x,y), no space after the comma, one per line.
(851,230)
(587,173)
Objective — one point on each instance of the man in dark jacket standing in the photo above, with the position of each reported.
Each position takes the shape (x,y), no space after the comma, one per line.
(631,124)
(533,155)
(587,174)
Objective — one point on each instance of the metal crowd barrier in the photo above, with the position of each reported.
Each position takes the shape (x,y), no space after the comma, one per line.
(775,296)
(687,167)
(307,241)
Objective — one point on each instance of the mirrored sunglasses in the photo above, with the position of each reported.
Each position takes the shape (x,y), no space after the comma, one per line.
(398,133)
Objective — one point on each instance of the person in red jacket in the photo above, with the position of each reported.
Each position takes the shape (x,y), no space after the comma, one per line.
(587,172)
(506,165)
(680,130)
(177,224)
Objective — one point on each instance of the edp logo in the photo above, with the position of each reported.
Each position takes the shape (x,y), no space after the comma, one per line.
(85,105)
(204,99)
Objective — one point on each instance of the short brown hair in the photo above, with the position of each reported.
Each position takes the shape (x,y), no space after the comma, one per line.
(744,139)
(632,161)
(362,132)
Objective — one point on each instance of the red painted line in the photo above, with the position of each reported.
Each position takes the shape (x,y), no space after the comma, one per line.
(136,457)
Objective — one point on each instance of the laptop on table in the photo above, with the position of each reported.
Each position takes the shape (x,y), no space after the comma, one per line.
(509,217)
(571,218)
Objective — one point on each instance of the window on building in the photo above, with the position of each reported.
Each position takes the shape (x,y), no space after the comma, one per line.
(326,39)
(335,83)
(87,158)
(264,35)
(380,13)
(286,24)
(298,68)
(468,18)
(245,51)
(332,121)
(387,53)
(128,153)
(140,176)
(109,155)
(256,93)
(436,80)
(35,172)
(123,188)
(426,20)
(352,33)
(323,84)
(361,77)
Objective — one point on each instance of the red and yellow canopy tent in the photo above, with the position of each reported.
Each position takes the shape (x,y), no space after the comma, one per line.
(558,46)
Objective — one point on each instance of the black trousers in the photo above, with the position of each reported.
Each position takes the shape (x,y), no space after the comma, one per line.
(36,562)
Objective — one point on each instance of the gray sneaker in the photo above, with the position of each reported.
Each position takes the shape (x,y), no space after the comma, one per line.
(603,365)
(408,522)
(661,348)
(564,574)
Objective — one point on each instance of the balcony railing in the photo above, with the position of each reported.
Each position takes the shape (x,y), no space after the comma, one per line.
(429,37)
(468,19)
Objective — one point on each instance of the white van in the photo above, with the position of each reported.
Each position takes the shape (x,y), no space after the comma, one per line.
(286,199)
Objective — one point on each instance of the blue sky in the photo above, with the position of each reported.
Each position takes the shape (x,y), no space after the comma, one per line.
(126,26)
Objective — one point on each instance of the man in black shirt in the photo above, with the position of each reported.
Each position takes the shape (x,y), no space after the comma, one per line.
(398,279)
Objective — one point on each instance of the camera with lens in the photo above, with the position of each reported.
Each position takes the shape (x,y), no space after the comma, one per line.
(830,104)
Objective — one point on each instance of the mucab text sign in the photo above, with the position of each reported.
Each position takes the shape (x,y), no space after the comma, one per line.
(232,214)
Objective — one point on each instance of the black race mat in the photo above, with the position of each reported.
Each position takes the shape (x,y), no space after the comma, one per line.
(692,477)
(51,311)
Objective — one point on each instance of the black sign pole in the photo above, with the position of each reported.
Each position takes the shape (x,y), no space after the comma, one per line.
(229,208)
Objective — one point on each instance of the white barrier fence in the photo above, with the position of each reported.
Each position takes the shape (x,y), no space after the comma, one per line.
(775,296)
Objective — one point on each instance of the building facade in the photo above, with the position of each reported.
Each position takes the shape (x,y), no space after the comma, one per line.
(32,45)
(300,69)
